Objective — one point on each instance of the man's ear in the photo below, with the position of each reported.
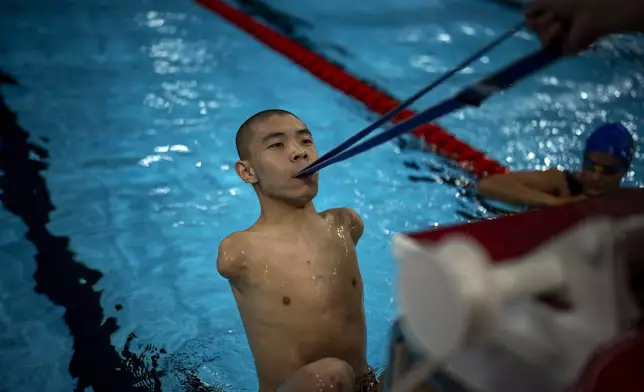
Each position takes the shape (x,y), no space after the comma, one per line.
(245,172)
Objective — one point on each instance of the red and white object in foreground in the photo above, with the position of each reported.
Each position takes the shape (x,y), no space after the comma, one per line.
(473,294)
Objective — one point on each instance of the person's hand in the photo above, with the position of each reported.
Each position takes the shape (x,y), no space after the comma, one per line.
(576,24)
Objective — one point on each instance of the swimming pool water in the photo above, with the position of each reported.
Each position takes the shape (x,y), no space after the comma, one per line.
(139,103)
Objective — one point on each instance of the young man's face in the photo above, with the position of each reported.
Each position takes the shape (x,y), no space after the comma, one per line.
(279,148)
(601,173)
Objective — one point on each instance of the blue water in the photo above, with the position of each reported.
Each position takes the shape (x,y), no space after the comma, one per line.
(139,102)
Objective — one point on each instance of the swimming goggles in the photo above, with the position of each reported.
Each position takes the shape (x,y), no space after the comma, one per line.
(473,95)
(592,166)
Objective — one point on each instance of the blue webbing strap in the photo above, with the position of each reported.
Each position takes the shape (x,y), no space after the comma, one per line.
(473,95)
(391,114)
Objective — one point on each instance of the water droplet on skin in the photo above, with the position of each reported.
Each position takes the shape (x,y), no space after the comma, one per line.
(266,274)
(344,238)
(320,383)
(335,270)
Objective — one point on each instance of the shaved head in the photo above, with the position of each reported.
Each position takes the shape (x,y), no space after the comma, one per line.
(273,145)
(245,131)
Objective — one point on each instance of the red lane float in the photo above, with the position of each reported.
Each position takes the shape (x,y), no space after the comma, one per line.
(438,139)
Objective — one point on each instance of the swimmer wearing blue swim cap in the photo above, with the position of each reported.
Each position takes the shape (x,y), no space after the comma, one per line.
(607,157)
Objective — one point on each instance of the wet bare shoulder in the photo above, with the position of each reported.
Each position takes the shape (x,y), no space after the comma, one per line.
(349,219)
(233,254)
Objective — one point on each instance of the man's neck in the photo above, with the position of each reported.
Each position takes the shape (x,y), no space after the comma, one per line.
(278,212)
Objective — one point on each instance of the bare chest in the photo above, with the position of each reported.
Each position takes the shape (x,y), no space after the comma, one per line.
(306,273)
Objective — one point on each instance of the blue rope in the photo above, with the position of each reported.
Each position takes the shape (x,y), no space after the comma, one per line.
(473,95)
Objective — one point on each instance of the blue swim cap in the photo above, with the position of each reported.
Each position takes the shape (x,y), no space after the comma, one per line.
(613,139)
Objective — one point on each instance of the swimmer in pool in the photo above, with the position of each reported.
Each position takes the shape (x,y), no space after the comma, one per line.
(294,273)
(607,157)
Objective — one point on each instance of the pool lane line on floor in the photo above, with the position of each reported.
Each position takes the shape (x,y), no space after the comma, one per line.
(65,281)
(436,138)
